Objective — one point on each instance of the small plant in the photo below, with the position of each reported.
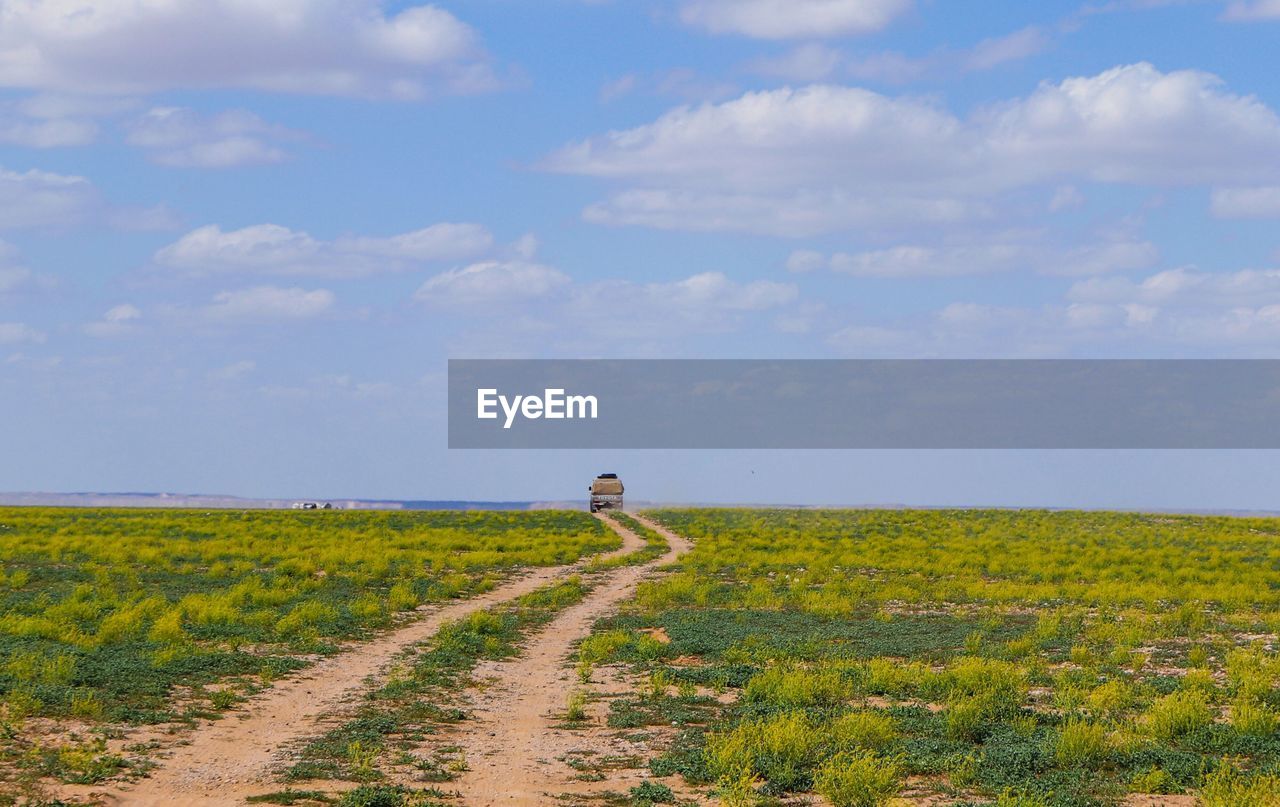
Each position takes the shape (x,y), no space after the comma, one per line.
(1252,718)
(870,731)
(649,793)
(1109,699)
(1177,714)
(1154,780)
(223,699)
(576,708)
(659,681)
(1229,787)
(1020,798)
(361,760)
(1198,656)
(858,779)
(1081,744)
(963,769)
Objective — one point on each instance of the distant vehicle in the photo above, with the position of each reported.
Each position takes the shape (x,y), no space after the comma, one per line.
(313,506)
(606,493)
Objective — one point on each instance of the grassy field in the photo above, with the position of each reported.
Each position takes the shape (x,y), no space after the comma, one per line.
(125,617)
(959,657)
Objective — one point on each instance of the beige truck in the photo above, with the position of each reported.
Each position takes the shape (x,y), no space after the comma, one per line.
(606,493)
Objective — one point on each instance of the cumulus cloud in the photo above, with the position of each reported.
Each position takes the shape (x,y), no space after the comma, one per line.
(821,158)
(181,137)
(341,47)
(491,282)
(269,249)
(39,198)
(16,333)
(573,315)
(270,304)
(1166,313)
(117,321)
(792,19)
(1246,203)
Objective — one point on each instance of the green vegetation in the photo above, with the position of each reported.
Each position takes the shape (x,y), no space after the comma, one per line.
(114,617)
(1021,658)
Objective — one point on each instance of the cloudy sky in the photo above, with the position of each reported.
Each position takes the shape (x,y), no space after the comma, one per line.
(239,240)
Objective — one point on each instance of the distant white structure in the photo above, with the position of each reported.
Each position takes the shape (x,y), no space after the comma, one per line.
(313,506)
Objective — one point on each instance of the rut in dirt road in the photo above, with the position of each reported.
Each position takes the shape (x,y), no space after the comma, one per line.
(228,760)
(512,745)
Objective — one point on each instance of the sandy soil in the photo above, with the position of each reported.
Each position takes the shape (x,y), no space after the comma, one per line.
(515,745)
(224,761)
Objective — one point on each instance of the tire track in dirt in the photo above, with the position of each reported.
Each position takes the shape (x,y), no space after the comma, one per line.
(512,745)
(227,760)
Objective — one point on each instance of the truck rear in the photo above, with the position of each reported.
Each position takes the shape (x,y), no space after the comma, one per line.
(606,493)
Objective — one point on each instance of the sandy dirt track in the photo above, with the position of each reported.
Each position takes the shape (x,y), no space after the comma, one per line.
(513,745)
(224,761)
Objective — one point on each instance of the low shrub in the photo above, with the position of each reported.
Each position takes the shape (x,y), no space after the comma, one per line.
(858,779)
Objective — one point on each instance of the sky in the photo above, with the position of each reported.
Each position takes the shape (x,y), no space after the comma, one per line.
(240,240)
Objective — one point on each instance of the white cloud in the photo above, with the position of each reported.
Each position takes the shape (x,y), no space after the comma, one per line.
(270,304)
(1186,288)
(814,61)
(16,333)
(1251,10)
(991,53)
(270,249)
(1246,203)
(792,215)
(821,158)
(491,282)
(806,260)
(573,316)
(984,258)
(338,47)
(811,61)
(792,19)
(704,292)
(39,198)
(43,134)
(1169,313)
(117,321)
(181,137)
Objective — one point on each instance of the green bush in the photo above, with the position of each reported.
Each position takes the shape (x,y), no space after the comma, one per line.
(1081,743)
(858,779)
(865,730)
(1177,714)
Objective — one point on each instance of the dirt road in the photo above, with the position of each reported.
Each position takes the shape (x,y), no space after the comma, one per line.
(513,745)
(227,760)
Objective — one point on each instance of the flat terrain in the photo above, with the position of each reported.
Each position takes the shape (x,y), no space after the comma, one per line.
(957,657)
(832,657)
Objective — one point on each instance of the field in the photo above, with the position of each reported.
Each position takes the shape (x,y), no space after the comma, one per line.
(958,657)
(112,618)
(844,658)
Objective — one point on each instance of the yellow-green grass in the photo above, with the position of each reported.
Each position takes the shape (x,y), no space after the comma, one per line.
(1027,657)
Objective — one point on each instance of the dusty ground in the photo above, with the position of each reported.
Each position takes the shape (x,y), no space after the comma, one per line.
(224,761)
(516,746)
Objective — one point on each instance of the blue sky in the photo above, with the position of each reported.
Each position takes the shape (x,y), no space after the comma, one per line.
(238,241)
